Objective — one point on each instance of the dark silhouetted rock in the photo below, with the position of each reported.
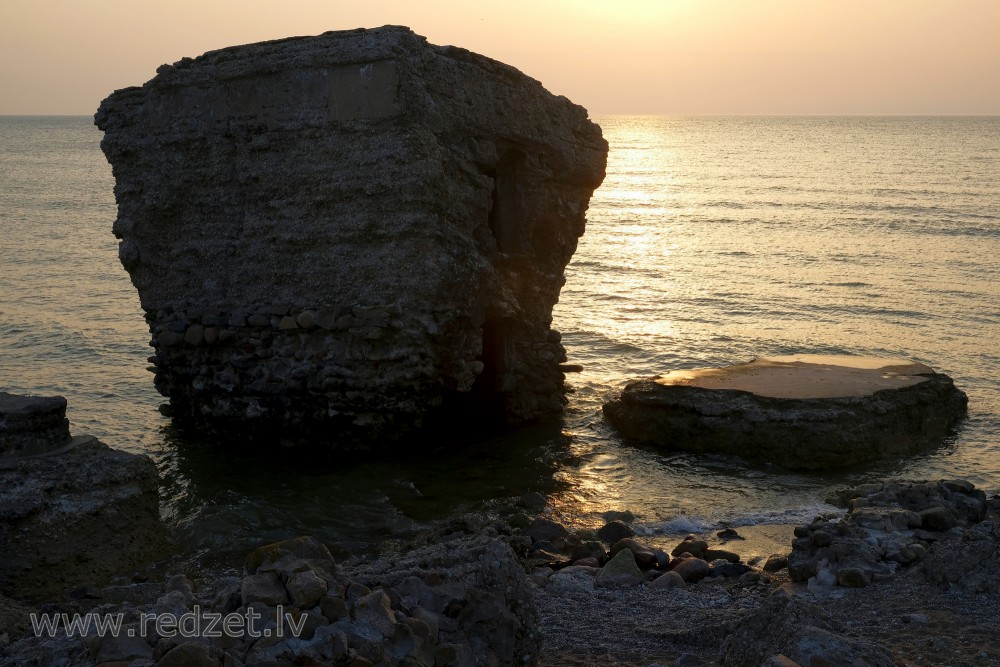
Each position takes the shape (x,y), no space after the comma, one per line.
(801,412)
(74,518)
(800,632)
(357,230)
(970,562)
(545,530)
(32,425)
(476,589)
(620,571)
(877,536)
(692,569)
(614,530)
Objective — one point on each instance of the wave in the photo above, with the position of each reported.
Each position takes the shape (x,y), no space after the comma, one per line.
(683,524)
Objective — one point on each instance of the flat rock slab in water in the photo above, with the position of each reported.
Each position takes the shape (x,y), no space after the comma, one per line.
(801,412)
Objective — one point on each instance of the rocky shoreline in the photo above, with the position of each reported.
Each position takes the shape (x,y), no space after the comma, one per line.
(516,587)
(508,587)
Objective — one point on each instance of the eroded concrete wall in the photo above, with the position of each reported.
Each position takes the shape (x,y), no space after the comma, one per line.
(356,228)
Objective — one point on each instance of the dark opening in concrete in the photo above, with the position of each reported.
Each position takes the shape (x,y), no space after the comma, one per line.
(507,208)
(487,391)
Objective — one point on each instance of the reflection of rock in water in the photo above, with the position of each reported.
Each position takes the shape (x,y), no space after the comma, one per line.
(354,228)
(802,412)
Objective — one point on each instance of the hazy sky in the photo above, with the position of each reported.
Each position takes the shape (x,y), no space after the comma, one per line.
(612,56)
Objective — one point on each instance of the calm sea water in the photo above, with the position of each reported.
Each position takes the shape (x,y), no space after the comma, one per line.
(712,241)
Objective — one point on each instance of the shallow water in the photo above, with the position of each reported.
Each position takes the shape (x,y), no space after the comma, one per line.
(712,241)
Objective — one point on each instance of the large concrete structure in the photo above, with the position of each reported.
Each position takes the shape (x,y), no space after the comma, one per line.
(806,411)
(357,228)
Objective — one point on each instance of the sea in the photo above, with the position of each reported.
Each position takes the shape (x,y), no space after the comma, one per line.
(713,240)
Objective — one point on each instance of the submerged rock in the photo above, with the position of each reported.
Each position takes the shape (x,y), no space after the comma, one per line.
(801,412)
(357,229)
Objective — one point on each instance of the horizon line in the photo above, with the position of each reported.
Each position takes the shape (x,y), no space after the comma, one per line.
(668,115)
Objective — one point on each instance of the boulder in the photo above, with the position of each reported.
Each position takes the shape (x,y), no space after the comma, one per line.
(692,569)
(691,544)
(544,530)
(289,556)
(264,587)
(970,562)
(878,533)
(476,589)
(620,571)
(808,412)
(32,425)
(667,580)
(645,557)
(305,589)
(614,530)
(188,654)
(799,632)
(73,518)
(590,549)
(374,228)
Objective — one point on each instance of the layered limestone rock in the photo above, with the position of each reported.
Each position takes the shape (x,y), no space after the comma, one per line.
(32,425)
(357,228)
(72,510)
(802,411)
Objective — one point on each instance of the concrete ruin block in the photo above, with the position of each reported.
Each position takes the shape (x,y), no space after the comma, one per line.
(430,196)
(72,510)
(32,425)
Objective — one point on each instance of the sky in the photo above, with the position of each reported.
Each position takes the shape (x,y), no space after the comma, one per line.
(677,57)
